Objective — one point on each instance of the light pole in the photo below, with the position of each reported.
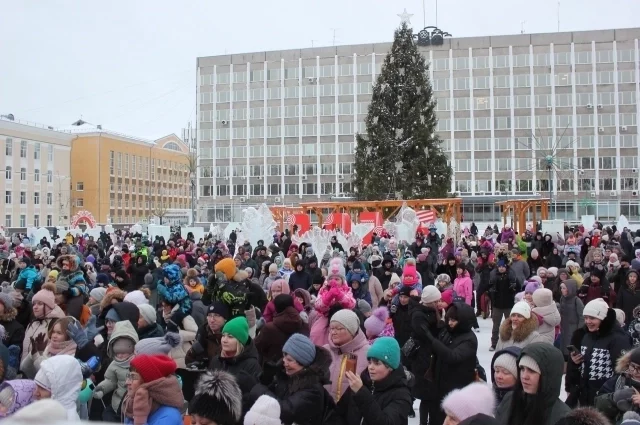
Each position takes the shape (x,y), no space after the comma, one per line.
(192,176)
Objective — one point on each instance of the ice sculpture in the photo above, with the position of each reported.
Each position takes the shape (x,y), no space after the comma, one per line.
(257,224)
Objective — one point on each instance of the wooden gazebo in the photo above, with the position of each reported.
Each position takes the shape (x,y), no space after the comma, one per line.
(518,209)
(445,208)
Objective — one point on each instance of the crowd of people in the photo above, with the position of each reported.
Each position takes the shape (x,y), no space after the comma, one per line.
(124,329)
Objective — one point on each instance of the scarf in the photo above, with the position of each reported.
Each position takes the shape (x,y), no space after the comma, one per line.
(150,396)
(67,347)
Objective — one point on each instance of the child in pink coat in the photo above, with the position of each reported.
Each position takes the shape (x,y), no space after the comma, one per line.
(278,287)
(463,285)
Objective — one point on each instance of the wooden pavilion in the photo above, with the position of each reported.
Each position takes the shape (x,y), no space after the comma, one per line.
(519,208)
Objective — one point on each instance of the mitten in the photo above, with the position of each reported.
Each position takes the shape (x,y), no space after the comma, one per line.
(91,330)
(622,399)
(98,394)
(77,334)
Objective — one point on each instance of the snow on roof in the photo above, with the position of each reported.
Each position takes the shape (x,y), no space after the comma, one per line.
(83,127)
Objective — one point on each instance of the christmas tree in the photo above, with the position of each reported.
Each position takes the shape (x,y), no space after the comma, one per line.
(401,155)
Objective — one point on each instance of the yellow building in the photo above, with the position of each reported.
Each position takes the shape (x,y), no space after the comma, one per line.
(121,179)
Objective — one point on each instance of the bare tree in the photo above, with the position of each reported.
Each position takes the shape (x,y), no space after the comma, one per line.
(160,210)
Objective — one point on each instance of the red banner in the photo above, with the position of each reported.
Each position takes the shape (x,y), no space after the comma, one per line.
(302,221)
(373,217)
(340,221)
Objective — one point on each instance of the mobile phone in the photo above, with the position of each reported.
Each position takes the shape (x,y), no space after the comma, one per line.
(572,349)
(351,363)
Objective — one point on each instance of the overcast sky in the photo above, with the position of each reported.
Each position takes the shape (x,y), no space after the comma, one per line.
(130,65)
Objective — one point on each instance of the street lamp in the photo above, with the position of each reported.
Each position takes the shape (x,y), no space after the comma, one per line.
(192,176)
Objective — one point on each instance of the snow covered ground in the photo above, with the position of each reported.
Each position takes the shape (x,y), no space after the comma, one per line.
(484,356)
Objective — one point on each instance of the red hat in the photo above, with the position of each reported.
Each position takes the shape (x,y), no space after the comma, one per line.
(447,296)
(152,368)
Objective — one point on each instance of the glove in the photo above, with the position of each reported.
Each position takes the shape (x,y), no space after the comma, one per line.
(76,333)
(91,330)
(98,394)
(622,399)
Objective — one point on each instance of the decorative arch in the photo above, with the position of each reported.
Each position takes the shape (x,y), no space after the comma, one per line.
(81,216)
(172,146)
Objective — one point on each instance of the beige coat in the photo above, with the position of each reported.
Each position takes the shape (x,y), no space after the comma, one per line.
(520,337)
(188,333)
(37,327)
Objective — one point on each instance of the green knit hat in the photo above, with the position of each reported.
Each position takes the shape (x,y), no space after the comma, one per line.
(387,350)
(238,328)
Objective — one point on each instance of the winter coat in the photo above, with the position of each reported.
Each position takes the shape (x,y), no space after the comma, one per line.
(571,317)
(627,299)
(300,280)
(245,367)
(270,310)
(463,285)
(115,376)
(39,326)
(522,336)
(153,330)
(375,291)
(234,293)
(188,331)
(206,346)
(66,378)
(423,320)
(28,278)
(502,392)
(550,316)
(503,288)
(384,402)
(138,272)
(401,319)
(358,346)
(273,335)
(600,350)
(23,390)
(455,350)
(521,270)
(198,309)
(165,415)
(303,399)
(14,331)
(548,403)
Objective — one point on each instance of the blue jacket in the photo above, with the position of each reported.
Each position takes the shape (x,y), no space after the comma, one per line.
(28,276)
(165,415)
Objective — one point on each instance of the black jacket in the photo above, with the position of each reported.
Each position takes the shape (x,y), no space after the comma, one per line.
(138,272)
(455,353)
(299,280)
(401,319)
(503,288)
(423,321)
(151,331)
(387,402)
(13,330)
(302,397)
(245,367)
(626,300)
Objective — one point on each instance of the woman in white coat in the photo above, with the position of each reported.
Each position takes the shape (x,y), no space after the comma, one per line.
(60,379)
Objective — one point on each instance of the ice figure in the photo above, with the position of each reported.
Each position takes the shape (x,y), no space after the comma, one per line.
(318,238)
(454,231)
(622,223)
(407,223)
(257,224)
(358,232)
(136,228)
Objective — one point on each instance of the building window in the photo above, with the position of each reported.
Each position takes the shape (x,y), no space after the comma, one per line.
(49,176)
(50,152)
(36,151)
(23,174)
(23,149)
(80,186)
(80,202)
(23,220)
(7,220)
(49,198)
(36,198)
(8,173)
(7,197)
(23,198)
(8,147)
(36,220)
(36,175)
(49,220)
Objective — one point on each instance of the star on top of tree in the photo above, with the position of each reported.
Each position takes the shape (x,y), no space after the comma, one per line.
(405,17)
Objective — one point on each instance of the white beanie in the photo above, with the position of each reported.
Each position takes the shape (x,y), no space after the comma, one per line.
(136,297)
(522,308)
(597,308)
(265,411)
(348,319)
(148,313)
(430,294)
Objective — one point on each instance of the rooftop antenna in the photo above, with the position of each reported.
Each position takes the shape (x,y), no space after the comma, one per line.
(424,13)
(558,15)
(334,34)
(522,26)
(436,13)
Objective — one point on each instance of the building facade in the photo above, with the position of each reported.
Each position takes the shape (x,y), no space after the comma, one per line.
(280,126)
(35,176)
(121,179)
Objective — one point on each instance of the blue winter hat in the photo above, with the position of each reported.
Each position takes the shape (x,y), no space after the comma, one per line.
(172,272)
(385,349)
(502,263)
(103,279)
(300,348)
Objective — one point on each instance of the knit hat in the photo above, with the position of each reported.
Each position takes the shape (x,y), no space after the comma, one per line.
(218,308)
(160,345)
(217,398)
(571,264)
(507,361)
(541,270)
(377,321)
(281,285)
(62,285)
(597,308)
(53,274)
(301,348)
(409,275)
(7,300)
(148,313)
(522,308)
(620,316)
(282,301)
(387,350)
(153,367)
(273,268)
(46,297)
(475,398)
(532,286)
(98,293)
(529,362)
(364,306)
(501,262)
(430,294)
(543,297)
(227,266)
(136,297)
(112,315)
(553,271)
(336,269)
(348,319)
(237,328)
(265,411)
(630,418)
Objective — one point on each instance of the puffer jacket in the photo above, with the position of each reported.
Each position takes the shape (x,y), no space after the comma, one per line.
(273,335)
(423,320)
(28,278)
(547,310)
(37,327)
(385,402)
(520,337)
(116,374)
(23,390)
(188,332)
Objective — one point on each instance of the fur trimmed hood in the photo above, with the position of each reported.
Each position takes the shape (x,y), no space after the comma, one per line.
(74,263)
(112,294)
(240,276)
(217,397)
(584,416)
(529,326)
